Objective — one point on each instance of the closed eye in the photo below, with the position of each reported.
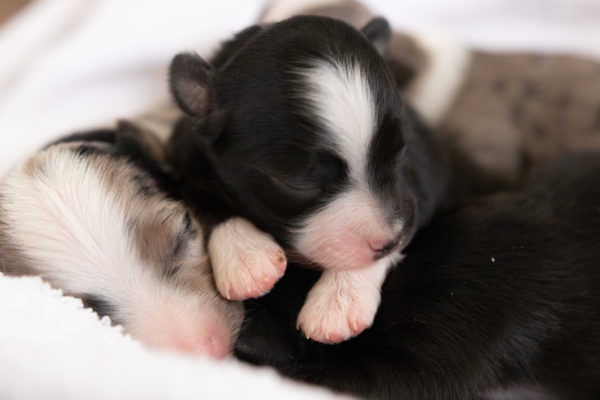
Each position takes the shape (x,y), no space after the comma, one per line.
(184,233)
(304,176)
(297,187)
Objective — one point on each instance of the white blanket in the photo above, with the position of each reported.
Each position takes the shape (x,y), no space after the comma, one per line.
(53,348)
(73,64)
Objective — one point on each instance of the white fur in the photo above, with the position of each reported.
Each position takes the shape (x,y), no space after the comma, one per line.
(344,234)
(436,87)
(342,304)
(340,97)
(68,222)
(281,9)
(246,262)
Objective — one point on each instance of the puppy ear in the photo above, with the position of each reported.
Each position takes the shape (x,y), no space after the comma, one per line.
(403,73)
(139,143)
(190,79)
(378,32)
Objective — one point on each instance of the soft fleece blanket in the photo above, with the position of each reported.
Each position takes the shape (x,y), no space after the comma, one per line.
(72,64)
(53,348)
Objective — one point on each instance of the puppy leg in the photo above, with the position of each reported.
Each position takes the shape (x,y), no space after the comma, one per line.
(246,262)
(342,304)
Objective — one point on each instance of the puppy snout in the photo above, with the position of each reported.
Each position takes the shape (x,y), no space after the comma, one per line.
(386,248)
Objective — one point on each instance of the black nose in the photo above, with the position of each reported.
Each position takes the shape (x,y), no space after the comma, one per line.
(387,248)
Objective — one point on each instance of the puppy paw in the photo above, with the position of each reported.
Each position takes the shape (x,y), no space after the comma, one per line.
(246,262)
(335,311)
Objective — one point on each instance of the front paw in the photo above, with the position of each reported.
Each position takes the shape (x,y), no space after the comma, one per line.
(246,262)
(332,316)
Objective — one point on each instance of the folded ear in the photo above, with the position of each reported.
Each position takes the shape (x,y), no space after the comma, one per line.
(378,32)
(138,143)
(404,74)
(190,79)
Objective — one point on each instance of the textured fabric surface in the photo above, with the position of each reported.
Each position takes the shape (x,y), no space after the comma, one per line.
(53,348)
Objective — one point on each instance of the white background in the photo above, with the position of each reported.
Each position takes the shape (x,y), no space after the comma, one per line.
(72,64)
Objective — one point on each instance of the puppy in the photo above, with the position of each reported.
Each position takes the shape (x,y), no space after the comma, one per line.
(506,111)
(498,299)
(95,215)
(300,127)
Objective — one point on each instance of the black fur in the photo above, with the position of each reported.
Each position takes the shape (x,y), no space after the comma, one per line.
(98,135)
(102,306)
(251,147)
(379,33)
(503,293)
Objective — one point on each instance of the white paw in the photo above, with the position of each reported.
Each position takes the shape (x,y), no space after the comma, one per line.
(246,262)
(338,308)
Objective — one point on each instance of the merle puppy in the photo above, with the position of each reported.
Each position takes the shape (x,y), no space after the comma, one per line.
(499,299)
(300,128)
(95,215)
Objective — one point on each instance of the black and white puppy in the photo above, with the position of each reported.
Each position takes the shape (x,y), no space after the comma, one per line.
(300,127)
(94,215)
(506,111)
(498,299)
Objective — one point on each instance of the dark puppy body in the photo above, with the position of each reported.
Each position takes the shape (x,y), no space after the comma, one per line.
(498,299)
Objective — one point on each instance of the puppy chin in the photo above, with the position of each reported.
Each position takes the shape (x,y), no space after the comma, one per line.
(350,233)
(343,254)
(347,256)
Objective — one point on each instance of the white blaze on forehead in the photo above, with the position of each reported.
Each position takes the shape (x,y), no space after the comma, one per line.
(341,99)
(347,231)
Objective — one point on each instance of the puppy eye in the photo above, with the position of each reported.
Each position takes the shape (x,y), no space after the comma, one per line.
(297,187)
(183,234)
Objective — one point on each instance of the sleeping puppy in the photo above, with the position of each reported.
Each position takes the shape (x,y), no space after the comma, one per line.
(300,127)
(507,111)
(94,215)
(499,299)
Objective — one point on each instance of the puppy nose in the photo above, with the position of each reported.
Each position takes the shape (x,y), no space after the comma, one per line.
(386,248)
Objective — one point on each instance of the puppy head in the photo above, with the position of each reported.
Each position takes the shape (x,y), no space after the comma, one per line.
(90,215)
(304,127)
